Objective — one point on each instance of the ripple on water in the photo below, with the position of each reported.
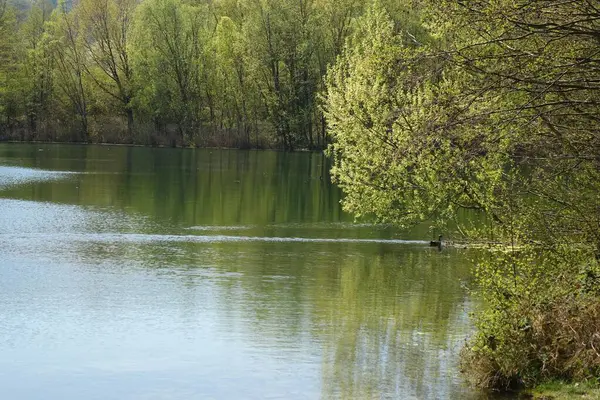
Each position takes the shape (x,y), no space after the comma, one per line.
(212,228)
(149,238)
(21,218)
(10,176)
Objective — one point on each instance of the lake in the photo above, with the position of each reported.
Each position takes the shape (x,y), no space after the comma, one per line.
(145,273)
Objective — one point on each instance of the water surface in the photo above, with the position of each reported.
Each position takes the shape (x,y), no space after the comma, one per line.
(168,273)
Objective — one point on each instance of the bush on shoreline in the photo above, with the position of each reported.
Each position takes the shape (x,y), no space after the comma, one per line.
(493,110)
(527,346)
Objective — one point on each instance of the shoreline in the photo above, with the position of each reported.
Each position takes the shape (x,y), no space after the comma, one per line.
(160,146)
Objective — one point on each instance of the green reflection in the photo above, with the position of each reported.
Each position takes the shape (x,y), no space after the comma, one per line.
(390,319)
(379,320)
(185,186)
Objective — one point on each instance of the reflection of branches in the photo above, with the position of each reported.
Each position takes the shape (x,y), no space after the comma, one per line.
(380,339)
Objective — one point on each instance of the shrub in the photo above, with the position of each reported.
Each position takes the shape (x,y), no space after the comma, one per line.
(547,331)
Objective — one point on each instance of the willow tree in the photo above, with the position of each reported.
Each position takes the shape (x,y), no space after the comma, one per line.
(495,110)
(392,108)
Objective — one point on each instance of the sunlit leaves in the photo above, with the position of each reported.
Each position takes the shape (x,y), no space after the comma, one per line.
(401,150)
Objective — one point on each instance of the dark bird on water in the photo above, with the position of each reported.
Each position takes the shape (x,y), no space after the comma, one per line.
(436,243)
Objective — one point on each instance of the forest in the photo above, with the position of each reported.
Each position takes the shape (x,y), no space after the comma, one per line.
(226,73)
(428,110)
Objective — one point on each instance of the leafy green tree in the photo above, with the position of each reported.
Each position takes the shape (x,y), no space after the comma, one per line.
(499,117)
(391,108)
(284,65)
(106,28)
(169,46)
(8,61)
(541,56)
(68,53)
(235,97)
(37,67)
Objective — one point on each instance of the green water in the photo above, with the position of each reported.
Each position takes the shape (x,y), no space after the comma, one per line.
(214,274)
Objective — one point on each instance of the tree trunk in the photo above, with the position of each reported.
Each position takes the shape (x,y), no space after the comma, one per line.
(129,122)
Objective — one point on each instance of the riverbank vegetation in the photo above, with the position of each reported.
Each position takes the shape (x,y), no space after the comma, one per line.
(490,107)
(232,73)
(562,391)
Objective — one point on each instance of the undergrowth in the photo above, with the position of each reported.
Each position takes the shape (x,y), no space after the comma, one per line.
(541,324)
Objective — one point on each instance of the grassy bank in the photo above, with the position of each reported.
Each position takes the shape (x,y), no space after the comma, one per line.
(563,391)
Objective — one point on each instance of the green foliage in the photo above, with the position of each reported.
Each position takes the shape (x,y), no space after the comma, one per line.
(37,67)
(106,29)
(400,152)
(7,58)
(237,94)
(558,390)
(494,111)
(284,64)
(541,320)
(169,60)
(67,49)
(223,73)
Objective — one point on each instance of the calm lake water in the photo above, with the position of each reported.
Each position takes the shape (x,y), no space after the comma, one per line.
(138,273)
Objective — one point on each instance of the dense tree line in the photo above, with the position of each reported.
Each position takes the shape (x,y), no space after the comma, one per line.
(492,109)
(240,73)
